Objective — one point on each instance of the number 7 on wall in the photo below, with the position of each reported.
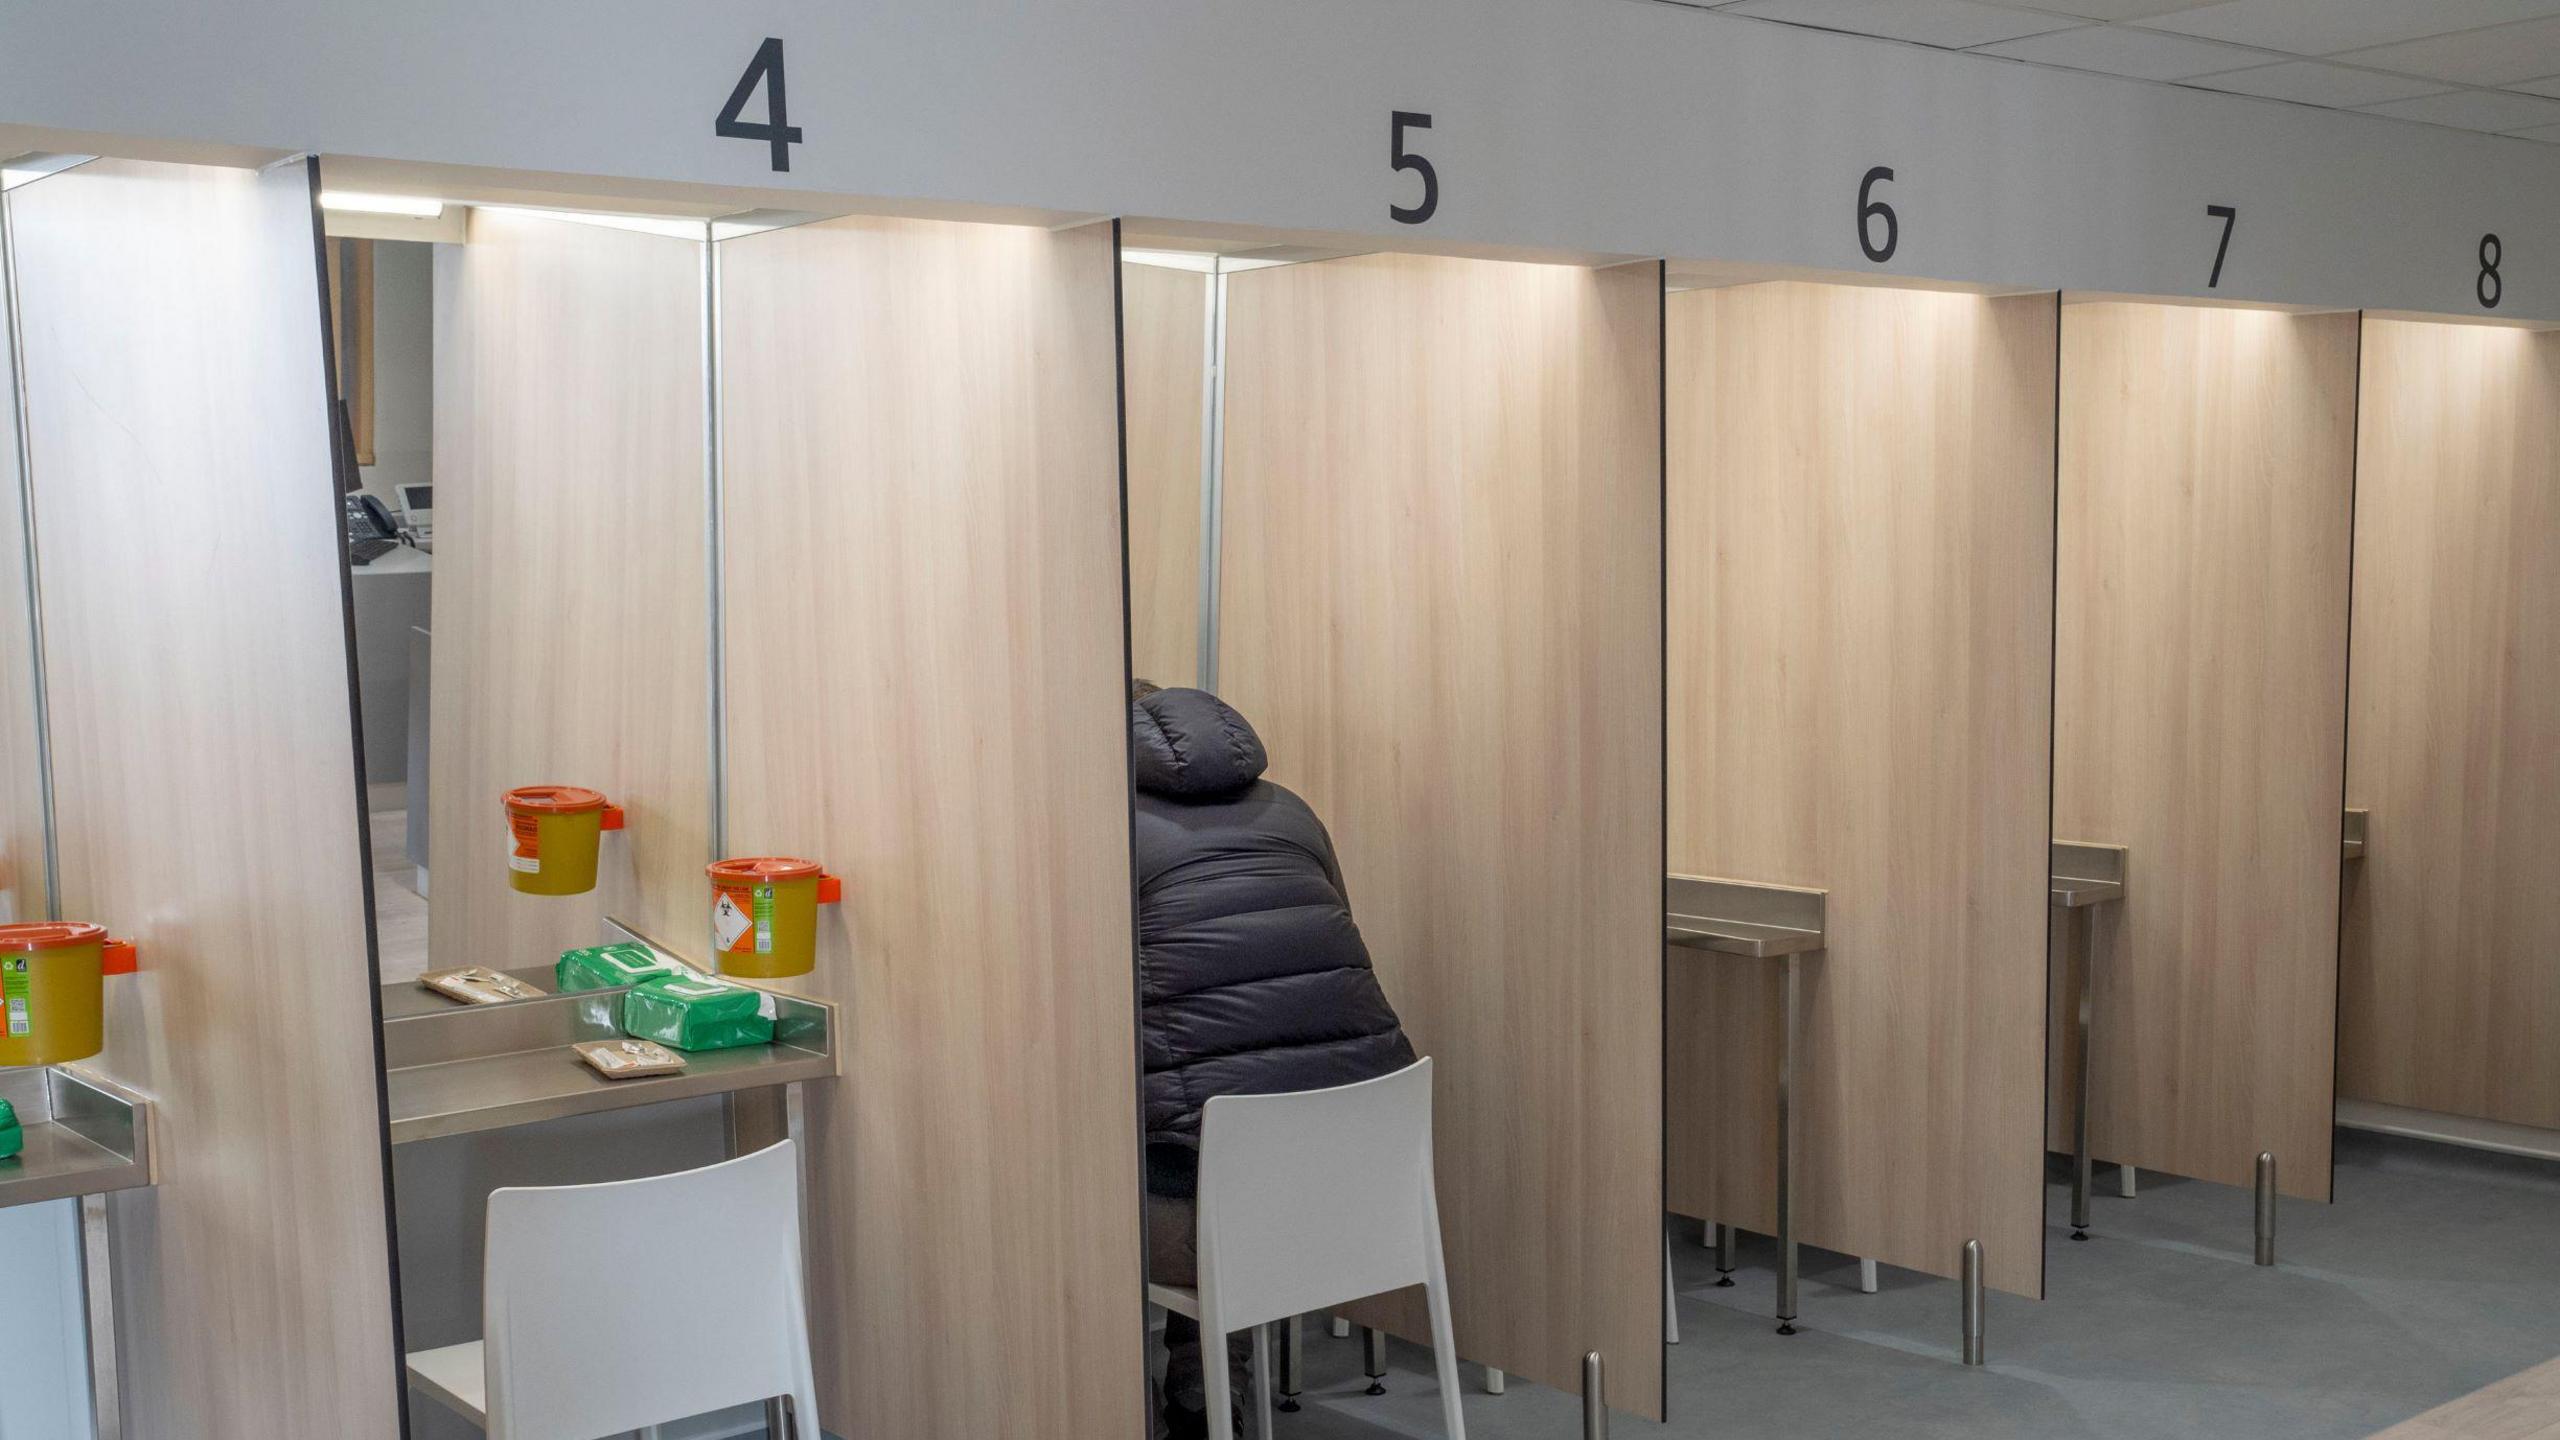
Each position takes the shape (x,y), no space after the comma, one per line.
(2229,215)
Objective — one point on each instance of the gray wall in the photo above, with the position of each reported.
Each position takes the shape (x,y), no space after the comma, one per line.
(403,368)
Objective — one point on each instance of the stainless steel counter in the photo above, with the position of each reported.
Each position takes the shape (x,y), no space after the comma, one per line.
(1761,922)
(455,1069)
(86,1135)
(2085,874)
(2082,875)
(1737,917)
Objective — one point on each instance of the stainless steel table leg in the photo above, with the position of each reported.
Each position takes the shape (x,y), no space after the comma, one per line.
(1373,1358)
(98,1281)
(1728,1241)
(2079,925)
(1790,997)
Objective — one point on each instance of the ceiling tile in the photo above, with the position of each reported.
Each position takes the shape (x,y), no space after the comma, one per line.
(2550,133)
(2475,110)
(2113,50)
(1954,24)
(2313,82)
(2325,27)
(2111,9)
(2499,55)
(2548,85)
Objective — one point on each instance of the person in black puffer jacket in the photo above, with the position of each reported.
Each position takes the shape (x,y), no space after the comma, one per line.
(1253,978)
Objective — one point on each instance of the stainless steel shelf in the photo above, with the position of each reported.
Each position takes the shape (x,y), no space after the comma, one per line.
(86,1135)
(455,1069)
(1738,917)
(2085,874)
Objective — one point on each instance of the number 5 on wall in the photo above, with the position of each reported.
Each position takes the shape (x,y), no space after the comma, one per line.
(1405,160)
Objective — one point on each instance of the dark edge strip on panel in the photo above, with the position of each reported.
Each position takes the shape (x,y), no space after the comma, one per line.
(340,464)
(2052,752)
(2346,739)
(1662,764)
(1129,792)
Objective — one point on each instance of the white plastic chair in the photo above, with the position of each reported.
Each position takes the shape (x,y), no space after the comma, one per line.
(615,1307)
(1309,1201)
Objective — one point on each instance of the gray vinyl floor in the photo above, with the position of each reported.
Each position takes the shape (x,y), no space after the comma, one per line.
(2435,1273)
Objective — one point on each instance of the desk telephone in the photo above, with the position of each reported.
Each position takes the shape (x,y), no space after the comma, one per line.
(371,532)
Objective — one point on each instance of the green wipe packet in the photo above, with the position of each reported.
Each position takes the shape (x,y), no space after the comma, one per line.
(12,1138)
(602,967)
(698,1014)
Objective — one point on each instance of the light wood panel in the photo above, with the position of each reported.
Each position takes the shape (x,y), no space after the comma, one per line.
(2524,1406)
(22,893)
(203,747)
(921,463)
(1442,610)
(1861,630)
(571,602)
(2451,967)
(1164,318)
(2208,484)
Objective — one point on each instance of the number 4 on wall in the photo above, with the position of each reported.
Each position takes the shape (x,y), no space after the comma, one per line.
(776,126)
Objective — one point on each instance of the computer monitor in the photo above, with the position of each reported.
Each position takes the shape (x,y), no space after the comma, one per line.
(417,505)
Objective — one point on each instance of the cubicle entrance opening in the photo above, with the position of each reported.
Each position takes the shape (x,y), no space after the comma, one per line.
(1859,620)
(1402,512)
(662,428)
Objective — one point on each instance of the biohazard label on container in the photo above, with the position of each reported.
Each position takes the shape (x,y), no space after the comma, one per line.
(13,990)
(729,920)
(524,843)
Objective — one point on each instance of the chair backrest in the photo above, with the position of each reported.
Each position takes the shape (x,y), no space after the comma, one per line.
(1312,1199)
(612,1307)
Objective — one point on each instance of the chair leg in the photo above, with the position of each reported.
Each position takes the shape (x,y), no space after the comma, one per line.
(1444,1357)
(1213,1370)
(1262,1380)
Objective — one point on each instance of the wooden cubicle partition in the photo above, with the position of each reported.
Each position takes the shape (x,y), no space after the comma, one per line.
(1164,333)
(1861,639)
(572,605)
(2208,483)
(926,672)
(22,879)
(2451,969)
(195,625)
(1442,608)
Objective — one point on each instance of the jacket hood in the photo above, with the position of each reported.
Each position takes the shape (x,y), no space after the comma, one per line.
(1190,742)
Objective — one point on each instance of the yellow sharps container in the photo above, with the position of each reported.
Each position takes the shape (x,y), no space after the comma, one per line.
(764,915)
(552,835)
(53,992)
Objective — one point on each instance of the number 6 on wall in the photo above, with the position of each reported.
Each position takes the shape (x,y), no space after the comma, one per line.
(1404,160)
(1869,209)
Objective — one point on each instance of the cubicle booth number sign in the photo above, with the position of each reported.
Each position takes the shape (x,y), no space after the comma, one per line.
(776,128)
(1571,128)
